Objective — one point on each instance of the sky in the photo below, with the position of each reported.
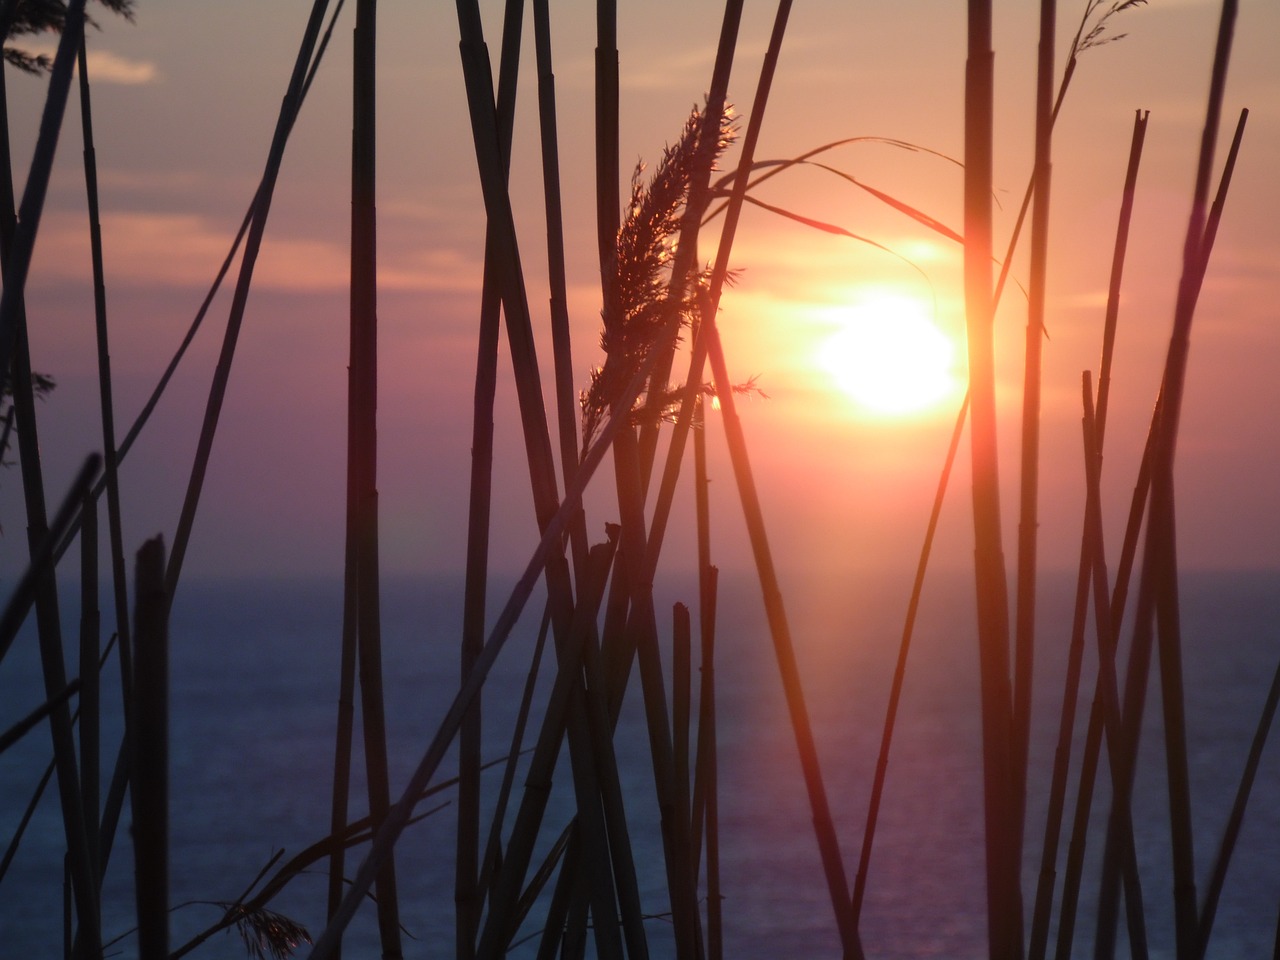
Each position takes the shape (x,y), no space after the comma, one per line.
(184,102)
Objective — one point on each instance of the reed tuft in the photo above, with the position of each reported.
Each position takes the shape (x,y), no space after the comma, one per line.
(637,299)
(1095,34)
(268,934)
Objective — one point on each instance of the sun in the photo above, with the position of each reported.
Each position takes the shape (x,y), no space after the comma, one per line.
(888,357)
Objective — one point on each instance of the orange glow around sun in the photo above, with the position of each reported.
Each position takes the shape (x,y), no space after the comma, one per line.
(888,357)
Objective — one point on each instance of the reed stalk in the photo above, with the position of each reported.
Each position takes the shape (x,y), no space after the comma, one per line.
(499,925)
(704,759)
(601,727)
(363,452)
(900,668)
(608,170)
(1058,779)
(42,557)
(340,794)
(699,194)
(20,730)
(1160,553)
(603,873)
(49,630)
(550,544)
(150,788)
(17,731)
(706,795)
(1117,269)
(1029,478)
(562,354)
(90,701)
(17,239)
(1138,668)
(20,243)
(1231,833)
(474,597)
(110,458)
(103,837)
(553,929)
(673,800)
(1203,224)
(467,892)
(493,849)
(1119,751)
(779,628)
(533,415)
(706,345)
(1004,901)
(681,702)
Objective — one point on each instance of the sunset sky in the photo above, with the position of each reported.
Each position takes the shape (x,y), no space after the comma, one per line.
(185,100)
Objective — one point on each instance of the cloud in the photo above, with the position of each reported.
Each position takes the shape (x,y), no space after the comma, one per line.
(108,67)
(178,249)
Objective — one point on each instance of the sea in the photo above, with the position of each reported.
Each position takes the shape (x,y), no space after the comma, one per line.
(254,690)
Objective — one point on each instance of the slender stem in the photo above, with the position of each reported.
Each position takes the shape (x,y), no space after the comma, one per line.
(1029,509)
(151,754)
(900,670)
(608,182)
(1071,686)
(90,701)
(1231,833)
(21,243)
(17,240)
(110,454)
(707,764)
(699,196)
(548,546)
(1161,540)
(1004,906)
(467,861)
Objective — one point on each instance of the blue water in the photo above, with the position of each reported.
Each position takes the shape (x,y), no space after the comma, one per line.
(254,689)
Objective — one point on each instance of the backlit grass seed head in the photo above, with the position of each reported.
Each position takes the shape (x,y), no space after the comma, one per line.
(1094,34)
(267,934)
(637,297)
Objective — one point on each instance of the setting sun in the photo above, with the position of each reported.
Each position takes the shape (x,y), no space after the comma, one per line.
(888,356)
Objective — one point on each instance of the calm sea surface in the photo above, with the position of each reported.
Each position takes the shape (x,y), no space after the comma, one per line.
(254,690)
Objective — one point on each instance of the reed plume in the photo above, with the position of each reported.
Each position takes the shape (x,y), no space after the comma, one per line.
(637,296)
(268,934)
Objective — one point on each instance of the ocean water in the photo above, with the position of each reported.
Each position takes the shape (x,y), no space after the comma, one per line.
(254,690)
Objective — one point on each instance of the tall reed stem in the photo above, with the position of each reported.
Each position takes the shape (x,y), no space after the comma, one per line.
(900,668)
(90,704)
(1071,686)
(1004,900)
(363,451)
(1029,519)
(1160,562)
(17,240)
(21,243)
(151,754)
(467,864)
(110,457)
